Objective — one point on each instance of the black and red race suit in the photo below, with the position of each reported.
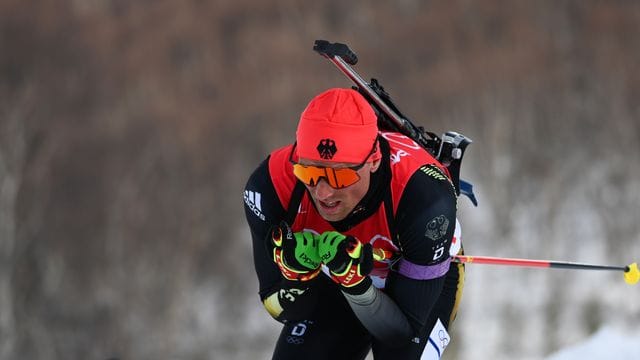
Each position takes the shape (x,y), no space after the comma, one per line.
(409,209)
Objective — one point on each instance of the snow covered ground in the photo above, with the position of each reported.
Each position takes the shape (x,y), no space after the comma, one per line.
(607,343)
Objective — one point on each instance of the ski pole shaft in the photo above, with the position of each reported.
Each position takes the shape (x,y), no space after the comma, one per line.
(533,263)
(631,271)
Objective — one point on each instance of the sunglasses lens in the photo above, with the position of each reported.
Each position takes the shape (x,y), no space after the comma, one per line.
(308,174)
(336,178)
(345,177)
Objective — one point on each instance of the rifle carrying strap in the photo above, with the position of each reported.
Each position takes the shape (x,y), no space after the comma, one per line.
(294,202)
(385,149)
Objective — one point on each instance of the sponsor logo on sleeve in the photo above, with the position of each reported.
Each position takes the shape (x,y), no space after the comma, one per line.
(437,228)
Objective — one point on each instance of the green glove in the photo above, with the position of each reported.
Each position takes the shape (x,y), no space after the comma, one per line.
(349,261)
(296,254)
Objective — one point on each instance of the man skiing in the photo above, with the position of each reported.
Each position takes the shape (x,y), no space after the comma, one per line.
(324,210)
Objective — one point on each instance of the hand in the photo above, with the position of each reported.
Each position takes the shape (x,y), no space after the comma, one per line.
(348,260)
(296,254)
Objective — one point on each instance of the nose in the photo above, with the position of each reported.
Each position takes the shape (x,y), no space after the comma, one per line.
(323,190)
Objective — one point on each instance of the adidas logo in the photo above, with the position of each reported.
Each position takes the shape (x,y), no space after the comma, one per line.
(252,199)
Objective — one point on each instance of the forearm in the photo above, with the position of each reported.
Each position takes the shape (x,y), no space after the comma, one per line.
(401,312)
(380,315)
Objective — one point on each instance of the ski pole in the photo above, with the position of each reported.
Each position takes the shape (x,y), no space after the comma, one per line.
(631,272)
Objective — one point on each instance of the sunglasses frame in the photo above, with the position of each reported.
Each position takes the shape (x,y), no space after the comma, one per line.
(355,168)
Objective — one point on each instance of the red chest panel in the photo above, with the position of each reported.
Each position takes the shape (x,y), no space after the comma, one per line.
(374,229)
(405,157)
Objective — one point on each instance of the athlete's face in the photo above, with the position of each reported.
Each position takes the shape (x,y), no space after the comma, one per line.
(335,204)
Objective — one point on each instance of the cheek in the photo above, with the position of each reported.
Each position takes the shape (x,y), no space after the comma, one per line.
(359,189)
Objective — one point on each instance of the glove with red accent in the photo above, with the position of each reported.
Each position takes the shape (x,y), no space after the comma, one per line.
(348,260)
(296,254)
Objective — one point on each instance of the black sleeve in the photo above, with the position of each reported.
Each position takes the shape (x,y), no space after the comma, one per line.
(262,209)
(425,222)
(426,217)
(284,300)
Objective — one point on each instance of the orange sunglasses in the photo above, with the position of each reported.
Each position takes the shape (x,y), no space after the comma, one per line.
(337,178)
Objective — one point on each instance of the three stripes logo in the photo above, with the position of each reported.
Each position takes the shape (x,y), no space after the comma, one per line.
(252,200)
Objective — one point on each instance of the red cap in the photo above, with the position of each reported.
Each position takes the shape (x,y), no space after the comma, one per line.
(338,125)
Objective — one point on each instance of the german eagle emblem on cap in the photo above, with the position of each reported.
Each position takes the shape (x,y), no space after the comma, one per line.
(327,148)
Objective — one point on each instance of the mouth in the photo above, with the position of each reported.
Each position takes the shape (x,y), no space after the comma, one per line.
(329,206)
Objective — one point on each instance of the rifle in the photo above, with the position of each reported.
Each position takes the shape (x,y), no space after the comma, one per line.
(448,149)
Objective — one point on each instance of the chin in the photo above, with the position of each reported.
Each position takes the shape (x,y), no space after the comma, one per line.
(333,217)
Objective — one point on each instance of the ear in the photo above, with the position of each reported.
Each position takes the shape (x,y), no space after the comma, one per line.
(375,165)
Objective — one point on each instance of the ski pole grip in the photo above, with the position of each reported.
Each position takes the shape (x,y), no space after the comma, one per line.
(330,50)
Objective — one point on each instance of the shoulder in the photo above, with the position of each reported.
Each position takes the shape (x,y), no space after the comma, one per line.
(426,216)
(279,167)
(428,186)
(281,173)
(268,189)
(411,164)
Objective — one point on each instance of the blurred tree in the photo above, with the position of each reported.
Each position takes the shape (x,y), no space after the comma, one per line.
(127,130)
